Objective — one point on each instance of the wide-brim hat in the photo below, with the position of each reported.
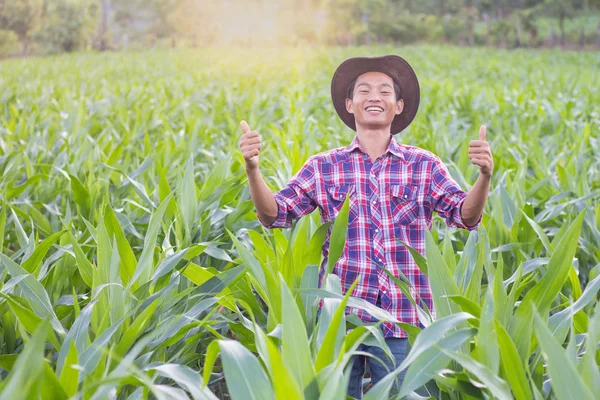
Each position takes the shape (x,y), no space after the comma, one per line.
(392,65)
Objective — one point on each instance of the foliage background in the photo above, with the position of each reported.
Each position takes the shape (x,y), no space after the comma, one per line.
(54,26)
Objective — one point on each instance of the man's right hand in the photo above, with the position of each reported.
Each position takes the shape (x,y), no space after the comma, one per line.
(250,146)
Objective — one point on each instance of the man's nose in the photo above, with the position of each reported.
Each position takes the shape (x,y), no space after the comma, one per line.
(374,96)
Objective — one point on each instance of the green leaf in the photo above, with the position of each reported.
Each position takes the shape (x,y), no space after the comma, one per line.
(512,367)
(92,355)
(295,348)
(28,319)
(545,291)
(35,292)
(467,305)
(423,312)
(137,328)
(128,260)
(215,179)
(433,334)
(335,333)
(487,343)
(2,225)
(81,196)
(187,378)
(442,284)
(245,377)
(284,384)
(78,334)
(565,380)
(168,263)
(32,263)
(448,253)
(83,265)
(144,264)
(418,257)
(69,376)
(497,387)
(337,240)
(540,233)
(590,372)
(24,379)
(431,361)
(252,264)
(50,386)
(187,198)
(313,252)
(212,352)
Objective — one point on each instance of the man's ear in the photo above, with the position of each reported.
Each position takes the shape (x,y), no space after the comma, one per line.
(349,106)
(400,106)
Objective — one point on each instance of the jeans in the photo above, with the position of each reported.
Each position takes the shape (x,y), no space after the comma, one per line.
(398,347)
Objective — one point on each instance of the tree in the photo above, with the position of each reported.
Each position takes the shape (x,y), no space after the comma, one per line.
(562,9)
(102,40)
(67,25)
(23,17)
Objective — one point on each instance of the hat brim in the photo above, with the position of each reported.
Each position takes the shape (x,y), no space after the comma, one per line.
(391,65)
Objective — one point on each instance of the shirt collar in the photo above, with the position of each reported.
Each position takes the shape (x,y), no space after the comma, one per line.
(394,147)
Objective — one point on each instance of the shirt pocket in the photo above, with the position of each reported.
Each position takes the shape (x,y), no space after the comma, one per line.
(404,204)
(336,195)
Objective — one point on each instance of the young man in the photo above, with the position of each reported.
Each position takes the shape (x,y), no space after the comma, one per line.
(394,189)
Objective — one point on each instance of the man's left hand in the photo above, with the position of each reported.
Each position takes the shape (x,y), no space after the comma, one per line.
(481,155)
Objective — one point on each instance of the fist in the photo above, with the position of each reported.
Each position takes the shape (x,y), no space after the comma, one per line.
(481,155)
(250,146)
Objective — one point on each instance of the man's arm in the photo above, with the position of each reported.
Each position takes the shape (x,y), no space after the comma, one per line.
(261,195)
(280,209)
(472,207)
(480,155)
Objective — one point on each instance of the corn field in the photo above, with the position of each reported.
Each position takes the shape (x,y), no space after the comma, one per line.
(133,266)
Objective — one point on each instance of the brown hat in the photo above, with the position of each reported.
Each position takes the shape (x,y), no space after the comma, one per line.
(392,65)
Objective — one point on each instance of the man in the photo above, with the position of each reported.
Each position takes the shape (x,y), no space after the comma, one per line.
(394,189)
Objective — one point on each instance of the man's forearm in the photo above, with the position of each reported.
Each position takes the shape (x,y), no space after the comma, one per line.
(472,207)
(262,197)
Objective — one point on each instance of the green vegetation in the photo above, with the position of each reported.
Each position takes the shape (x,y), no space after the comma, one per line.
(39,27)
(133,265)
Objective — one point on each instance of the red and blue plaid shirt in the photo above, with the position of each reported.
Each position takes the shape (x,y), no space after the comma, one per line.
(391,197)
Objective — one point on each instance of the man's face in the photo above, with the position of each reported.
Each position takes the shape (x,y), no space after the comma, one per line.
(374,102)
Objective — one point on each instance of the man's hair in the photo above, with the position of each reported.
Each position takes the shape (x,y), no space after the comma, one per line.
(351,89)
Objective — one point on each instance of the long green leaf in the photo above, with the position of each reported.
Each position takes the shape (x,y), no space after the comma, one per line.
(565,380)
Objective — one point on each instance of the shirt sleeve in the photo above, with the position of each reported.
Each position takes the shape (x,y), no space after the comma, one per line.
(447,197)
(296,199)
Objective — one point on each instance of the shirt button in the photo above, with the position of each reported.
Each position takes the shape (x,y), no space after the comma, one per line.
(384,292)
(405,196)
(377,230)
(374,201)
(379,259)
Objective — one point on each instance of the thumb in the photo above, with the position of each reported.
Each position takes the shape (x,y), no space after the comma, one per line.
(245,127)
(482,132)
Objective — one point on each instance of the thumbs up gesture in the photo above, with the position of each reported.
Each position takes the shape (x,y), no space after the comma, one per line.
(250,146)
(481,155)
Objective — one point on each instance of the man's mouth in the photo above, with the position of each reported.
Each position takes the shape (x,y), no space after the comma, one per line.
(374,110)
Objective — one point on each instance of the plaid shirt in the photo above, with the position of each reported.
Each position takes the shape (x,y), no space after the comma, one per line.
(392,197)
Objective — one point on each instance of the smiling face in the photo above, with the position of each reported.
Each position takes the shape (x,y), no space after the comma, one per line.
(374,101)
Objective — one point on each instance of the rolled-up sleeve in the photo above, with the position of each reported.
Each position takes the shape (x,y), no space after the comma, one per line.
(447,197)
(296,199)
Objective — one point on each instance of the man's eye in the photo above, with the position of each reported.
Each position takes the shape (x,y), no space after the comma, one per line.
(363,91)
(385,92)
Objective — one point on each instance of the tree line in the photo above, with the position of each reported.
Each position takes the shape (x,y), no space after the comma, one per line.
(54,26)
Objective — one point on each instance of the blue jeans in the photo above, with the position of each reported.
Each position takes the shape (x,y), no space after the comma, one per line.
(398,347)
